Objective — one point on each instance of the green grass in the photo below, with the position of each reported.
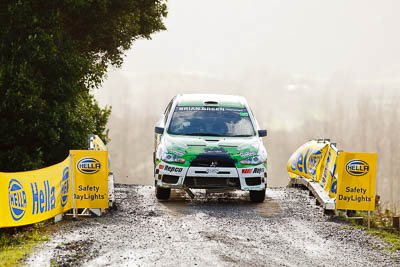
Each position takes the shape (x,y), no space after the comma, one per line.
(392,238)
(17,243)
(381,226)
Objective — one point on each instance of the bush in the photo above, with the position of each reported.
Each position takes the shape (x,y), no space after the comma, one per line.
(52,54)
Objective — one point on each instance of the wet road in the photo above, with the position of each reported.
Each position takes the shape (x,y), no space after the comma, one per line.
(288,229)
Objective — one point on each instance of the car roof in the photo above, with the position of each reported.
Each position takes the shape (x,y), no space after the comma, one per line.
(217,100)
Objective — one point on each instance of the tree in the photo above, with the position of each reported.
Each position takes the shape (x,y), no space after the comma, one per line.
(52,55)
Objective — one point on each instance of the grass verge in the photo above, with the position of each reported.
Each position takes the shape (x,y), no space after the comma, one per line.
(17,243)
(392,238)
(381,226)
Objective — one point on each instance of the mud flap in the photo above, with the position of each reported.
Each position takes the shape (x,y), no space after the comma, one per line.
(188,191)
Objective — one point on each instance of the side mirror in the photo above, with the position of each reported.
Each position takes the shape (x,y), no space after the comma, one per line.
(159,130)
(262,133)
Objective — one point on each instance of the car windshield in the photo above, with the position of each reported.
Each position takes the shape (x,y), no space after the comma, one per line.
(211,121)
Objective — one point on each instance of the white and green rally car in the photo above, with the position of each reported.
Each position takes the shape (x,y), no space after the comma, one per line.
(209,142)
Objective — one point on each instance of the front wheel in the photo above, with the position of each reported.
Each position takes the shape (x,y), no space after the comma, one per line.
(257,196)
(163,193)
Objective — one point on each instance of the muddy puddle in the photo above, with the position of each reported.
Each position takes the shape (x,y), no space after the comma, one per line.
(180,204)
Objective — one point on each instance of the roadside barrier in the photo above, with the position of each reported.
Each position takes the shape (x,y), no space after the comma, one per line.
(339,180)
(34,196)
(90,174)
(80,181)
(95,143)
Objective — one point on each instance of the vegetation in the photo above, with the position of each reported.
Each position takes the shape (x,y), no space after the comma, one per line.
(15,246)
(392,238)
(52,54)
(381,226)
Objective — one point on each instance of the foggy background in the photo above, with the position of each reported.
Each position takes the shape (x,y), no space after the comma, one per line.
(308,69)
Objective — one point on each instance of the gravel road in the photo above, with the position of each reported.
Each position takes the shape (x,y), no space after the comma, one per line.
(288,229)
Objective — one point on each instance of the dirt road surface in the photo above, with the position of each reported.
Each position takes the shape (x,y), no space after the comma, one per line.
(288,229)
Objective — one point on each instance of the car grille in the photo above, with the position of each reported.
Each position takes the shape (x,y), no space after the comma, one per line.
(213,161)
(212,182)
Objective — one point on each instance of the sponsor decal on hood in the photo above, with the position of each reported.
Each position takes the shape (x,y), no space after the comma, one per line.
(223,149)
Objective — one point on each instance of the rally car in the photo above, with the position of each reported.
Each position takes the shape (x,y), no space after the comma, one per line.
(213,142)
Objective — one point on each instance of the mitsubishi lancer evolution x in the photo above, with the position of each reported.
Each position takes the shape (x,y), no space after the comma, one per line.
(213,142)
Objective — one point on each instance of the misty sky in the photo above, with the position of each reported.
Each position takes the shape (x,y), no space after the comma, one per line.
(311,38)
(281,55)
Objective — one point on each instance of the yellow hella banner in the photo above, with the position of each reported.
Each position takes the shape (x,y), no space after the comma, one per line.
(95,143)
(316,160)
(330,175)
(307,160)
(91,178)
(356,183)
(34,196)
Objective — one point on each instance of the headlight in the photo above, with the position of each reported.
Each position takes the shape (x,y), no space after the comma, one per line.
(172,158)
(252,161)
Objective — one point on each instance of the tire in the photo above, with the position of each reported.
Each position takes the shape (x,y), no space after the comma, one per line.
(163,193)
(257,196)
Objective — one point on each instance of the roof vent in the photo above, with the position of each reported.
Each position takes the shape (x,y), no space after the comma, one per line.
(210,102)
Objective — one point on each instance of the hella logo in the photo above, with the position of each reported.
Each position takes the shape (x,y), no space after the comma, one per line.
(357,167)
(314,161)
(88,165)
(17,199)
(65,187)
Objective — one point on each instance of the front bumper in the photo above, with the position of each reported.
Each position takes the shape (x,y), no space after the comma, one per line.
(171,176)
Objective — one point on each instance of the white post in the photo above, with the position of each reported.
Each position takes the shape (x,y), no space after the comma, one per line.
(72,185)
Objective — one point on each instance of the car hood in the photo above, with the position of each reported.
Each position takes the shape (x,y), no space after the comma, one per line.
(190,147)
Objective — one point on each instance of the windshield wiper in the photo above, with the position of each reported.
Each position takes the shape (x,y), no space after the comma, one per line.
(242,135)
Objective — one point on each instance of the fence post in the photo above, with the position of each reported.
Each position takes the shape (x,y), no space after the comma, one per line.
(72,185)
(396,222)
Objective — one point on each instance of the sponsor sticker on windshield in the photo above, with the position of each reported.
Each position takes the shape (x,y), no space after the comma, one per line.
(199,109)
(242,111)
